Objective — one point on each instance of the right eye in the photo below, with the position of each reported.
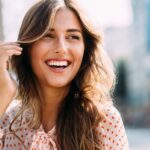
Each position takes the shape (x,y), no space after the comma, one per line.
(48,35)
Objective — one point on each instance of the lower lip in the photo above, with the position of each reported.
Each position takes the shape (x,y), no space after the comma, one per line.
(57,70)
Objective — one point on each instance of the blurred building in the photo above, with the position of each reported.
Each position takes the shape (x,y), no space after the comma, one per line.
(132,45)
(129,47)
(139,64)
(117,41)
(1,29)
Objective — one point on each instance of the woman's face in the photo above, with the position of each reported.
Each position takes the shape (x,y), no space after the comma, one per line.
(56,58)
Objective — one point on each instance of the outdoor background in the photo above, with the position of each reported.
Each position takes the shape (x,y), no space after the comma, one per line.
(125,26)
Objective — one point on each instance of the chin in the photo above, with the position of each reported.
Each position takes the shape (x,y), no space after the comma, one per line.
(59,84)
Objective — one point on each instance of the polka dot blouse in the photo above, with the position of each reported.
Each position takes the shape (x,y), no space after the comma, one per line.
(111,132)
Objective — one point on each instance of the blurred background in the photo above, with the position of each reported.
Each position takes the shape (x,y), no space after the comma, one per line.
(125,26)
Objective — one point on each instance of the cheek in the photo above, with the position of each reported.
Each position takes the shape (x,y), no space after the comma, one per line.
(78,52)
(35,58)
(37,51)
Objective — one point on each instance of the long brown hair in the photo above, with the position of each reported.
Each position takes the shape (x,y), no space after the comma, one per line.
(82,108)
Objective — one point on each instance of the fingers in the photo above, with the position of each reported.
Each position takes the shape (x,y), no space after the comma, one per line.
(10,45)
(10,49)
(7,50)
(13,51)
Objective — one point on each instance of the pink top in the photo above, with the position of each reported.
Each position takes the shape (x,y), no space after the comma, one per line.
(111,132)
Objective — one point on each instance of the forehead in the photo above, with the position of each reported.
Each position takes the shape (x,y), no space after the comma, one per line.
(66,18)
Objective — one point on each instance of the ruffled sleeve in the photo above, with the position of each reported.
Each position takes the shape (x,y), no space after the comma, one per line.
(6,120)
(111,131)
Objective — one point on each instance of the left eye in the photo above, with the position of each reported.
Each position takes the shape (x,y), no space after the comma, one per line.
(74,37)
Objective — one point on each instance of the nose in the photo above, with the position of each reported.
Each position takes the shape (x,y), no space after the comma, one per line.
(61,46)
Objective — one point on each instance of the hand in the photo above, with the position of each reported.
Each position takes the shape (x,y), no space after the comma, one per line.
(8,86)
(6,51)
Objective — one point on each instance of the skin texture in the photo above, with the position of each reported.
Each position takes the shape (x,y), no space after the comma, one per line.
(6,82)
(63,42)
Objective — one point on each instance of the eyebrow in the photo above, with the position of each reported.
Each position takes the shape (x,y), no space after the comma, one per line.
(68,30)
(74,30)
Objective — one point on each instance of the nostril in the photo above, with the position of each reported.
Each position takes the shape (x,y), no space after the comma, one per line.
(61,50)
(57,51)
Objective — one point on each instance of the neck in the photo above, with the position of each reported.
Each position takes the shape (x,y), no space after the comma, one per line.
(51,99)
(52,96)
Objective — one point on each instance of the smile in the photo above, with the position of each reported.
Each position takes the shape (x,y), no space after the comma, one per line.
(58,65)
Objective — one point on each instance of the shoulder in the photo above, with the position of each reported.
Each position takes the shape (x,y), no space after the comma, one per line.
(111,114)
(112,118)
(111,131)
(10,113)
(13,107)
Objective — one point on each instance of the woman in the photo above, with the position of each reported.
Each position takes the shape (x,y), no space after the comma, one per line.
(64,83)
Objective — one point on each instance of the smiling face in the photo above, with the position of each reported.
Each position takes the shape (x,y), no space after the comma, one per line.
(56,58)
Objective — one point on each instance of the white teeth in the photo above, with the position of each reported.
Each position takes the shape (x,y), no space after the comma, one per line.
(57,63)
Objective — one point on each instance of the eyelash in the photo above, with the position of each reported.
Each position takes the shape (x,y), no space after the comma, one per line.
(49,35)
(73,37)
